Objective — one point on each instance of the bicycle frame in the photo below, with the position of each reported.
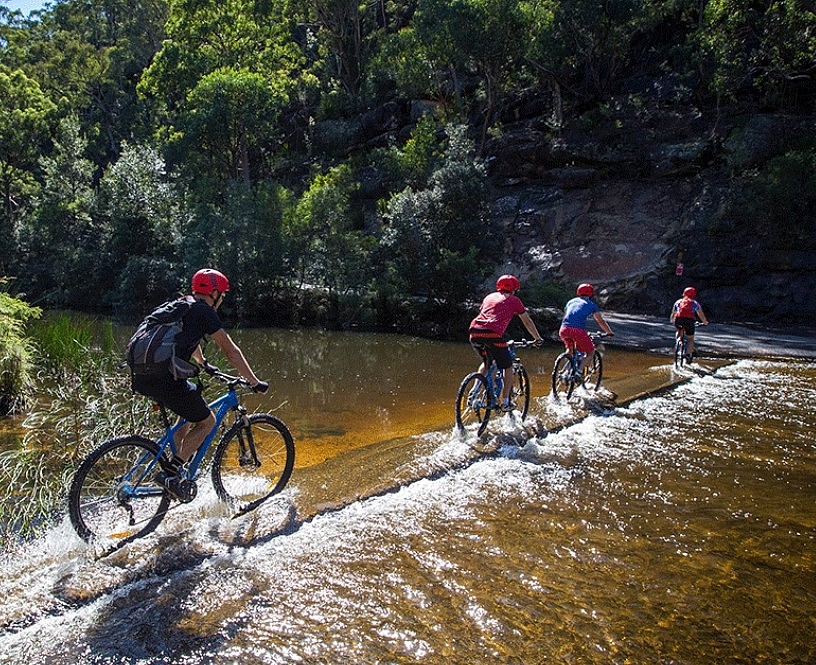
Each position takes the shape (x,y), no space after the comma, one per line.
(575,356)
(495,378)
(570,369)
(221,407)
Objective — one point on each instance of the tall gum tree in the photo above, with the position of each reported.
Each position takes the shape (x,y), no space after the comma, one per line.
(25,122)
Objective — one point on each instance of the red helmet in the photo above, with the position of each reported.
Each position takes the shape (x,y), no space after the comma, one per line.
(585,290)
(208,280)
(690,292)
(507,283)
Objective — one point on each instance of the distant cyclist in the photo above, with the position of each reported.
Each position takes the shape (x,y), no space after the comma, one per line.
(487,331)
(685,312)
(574,324)
(183,397)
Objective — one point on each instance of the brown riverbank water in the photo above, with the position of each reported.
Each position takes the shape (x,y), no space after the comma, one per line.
(677,529)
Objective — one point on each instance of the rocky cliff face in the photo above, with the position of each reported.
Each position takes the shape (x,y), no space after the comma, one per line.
(621,194)
(621,204)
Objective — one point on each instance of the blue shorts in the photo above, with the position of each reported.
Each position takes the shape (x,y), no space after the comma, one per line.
(182,397)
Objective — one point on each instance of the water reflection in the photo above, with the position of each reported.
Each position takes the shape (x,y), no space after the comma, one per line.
(339,391)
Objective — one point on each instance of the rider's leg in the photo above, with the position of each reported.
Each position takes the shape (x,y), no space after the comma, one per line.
(583,343)
(689,345)
(586,361)
(193,437)
(481,350)
(506,385)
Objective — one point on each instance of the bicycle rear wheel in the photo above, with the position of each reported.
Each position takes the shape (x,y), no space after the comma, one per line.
(563,381)
(112,494)
(680,352)
(473,403)
(253,461)
(520,391)
(592,379)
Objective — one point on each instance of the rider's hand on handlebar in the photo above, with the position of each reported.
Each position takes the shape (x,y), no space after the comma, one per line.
(260,387)
(538,342)
(212,370)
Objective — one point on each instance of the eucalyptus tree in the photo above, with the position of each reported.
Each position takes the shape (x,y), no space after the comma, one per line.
(585,46)
(441,240)
(326,244)
(340,27)
(25,123)
(463,53)
(229,123)
(141,216)
(215,49)
(60,238)
(87,56)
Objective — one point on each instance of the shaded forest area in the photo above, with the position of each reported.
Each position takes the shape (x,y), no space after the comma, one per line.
(332,156)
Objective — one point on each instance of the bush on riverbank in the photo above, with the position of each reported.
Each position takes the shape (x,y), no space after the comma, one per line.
(16,352)
(83,398)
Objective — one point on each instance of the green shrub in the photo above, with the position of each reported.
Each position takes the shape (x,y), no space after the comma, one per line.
(16,352)
(538,292)
(83,398)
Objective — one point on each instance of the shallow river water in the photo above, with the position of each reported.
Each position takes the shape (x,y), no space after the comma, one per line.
(679,528)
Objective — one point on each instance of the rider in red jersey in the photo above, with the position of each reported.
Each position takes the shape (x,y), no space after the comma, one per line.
(685,312)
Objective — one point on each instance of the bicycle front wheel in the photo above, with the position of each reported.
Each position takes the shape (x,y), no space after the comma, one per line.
(473,403)
(520,391)
(253,461)
(112,494)
(592,379)
(563,381)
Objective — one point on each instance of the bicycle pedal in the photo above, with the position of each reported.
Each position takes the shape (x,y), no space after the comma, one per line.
(185,491)
(181,488)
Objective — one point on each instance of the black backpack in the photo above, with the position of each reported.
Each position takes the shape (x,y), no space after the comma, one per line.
(152,349)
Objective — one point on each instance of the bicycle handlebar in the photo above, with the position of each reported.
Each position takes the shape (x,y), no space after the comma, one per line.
(521,343)
(231,381)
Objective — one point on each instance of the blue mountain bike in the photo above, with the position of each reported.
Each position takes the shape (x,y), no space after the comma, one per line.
(480,394)
(114,496)
(567,374)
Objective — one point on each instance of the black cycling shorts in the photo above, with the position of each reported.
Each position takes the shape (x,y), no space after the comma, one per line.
(182,397)
(686,324)
(490,345)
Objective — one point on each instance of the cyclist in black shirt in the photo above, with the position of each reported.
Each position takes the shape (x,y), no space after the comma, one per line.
(181,396)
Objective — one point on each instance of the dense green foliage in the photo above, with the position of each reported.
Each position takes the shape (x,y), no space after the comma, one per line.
(326,154)
(16,351)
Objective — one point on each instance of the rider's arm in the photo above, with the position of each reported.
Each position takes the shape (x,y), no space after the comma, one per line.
(531,327)
(234,355)
(198,356)
(702,316)
(602,323)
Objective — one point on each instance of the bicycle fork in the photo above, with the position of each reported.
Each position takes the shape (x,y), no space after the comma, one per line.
(247,452)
